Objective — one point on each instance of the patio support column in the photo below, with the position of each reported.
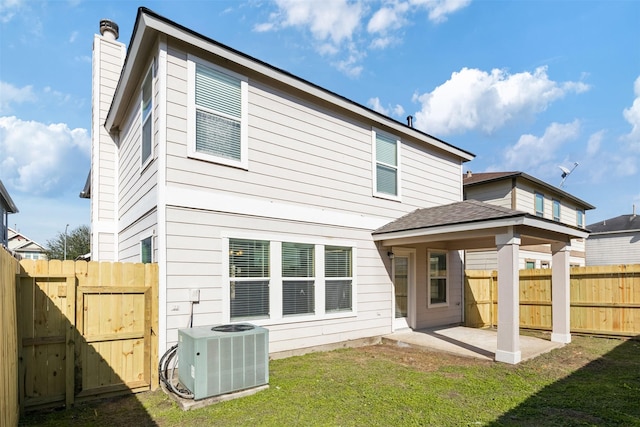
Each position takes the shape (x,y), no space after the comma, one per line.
(508,349)
(560,292)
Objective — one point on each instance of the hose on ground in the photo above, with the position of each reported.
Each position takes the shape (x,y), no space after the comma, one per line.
(166,375)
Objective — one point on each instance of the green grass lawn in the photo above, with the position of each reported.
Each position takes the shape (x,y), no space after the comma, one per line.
(592,381)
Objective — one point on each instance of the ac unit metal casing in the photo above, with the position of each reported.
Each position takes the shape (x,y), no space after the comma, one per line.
(211,363)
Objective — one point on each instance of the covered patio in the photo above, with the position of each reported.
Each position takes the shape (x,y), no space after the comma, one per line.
(476,225)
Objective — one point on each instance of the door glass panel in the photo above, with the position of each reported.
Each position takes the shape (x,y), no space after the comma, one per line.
(401,282)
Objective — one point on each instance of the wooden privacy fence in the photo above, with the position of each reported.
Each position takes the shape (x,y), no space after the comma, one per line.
(604,299)
(86,330)
(9,402)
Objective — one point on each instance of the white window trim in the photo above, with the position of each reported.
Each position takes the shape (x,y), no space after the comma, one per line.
(150,74)
(275,279)
(581,217)
(439,304)
(535,208)
(553,214)
(145,236)
(374,163)
(191,115)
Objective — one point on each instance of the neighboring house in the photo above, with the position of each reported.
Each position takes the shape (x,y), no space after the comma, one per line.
(268,199)
(614,241)
(24,247)
(6,207)
(522,192)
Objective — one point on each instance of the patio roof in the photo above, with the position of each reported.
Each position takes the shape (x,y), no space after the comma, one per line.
(471,224)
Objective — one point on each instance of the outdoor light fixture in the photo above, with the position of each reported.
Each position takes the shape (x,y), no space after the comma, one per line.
(391,255)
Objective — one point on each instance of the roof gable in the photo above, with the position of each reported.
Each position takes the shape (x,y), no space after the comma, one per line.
(475,179)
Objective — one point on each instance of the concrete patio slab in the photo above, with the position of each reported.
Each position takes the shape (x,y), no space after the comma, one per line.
(468,342)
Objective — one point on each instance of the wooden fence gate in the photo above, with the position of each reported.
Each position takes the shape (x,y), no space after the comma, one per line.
(86,330)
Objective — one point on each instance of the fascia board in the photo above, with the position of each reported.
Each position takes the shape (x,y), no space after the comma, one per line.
(453,228)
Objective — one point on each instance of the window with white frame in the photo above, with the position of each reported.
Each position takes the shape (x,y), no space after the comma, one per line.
(249,267)
(338,272)
(280,280)
(539,204)
(298,279)
(580,218)
(387,165)
(438,289)
(146,250)
(556,210)
(218,123)
(146,112)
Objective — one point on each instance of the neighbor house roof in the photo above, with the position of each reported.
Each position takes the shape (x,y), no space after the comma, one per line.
(149,25)
(472,179)
(619,224)
(6,199)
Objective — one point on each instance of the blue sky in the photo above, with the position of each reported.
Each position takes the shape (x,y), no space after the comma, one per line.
(525,85)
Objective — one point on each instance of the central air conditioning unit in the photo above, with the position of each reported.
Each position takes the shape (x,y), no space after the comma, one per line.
(223,359)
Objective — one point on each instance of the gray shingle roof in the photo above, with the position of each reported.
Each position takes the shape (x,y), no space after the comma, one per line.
(455,213)
(619,223)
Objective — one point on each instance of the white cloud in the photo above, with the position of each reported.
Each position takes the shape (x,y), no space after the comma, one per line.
(10,94)
(594,143)
(376,105)
(632,115)
(73,37)
(8,9)
(333,20)
(336,25)
(42,159)
(473,99)
(532,151)
(439,9)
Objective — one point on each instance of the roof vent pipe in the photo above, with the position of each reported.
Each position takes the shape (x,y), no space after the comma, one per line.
(634,210)
(109,29)
(469,174)
(410,121)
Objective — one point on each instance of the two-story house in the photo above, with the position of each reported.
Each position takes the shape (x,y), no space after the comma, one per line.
(24,247)
(615,240)
(523,192)
(6,207)
(266,198)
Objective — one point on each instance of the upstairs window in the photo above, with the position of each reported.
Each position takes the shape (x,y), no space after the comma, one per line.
(387,165)
(556,210)
(298,279)
(249,278)
(146,110)
(539,204)
(338,272)
(580,218)
(218,123)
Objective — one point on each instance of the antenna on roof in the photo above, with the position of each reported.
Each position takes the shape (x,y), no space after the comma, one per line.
(566,172)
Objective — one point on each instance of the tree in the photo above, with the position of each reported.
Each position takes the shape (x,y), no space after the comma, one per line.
(77,243)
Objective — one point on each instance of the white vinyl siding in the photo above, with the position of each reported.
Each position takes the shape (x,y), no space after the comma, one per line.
(386,165)
(613,249)
(146,118)
(218,114)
